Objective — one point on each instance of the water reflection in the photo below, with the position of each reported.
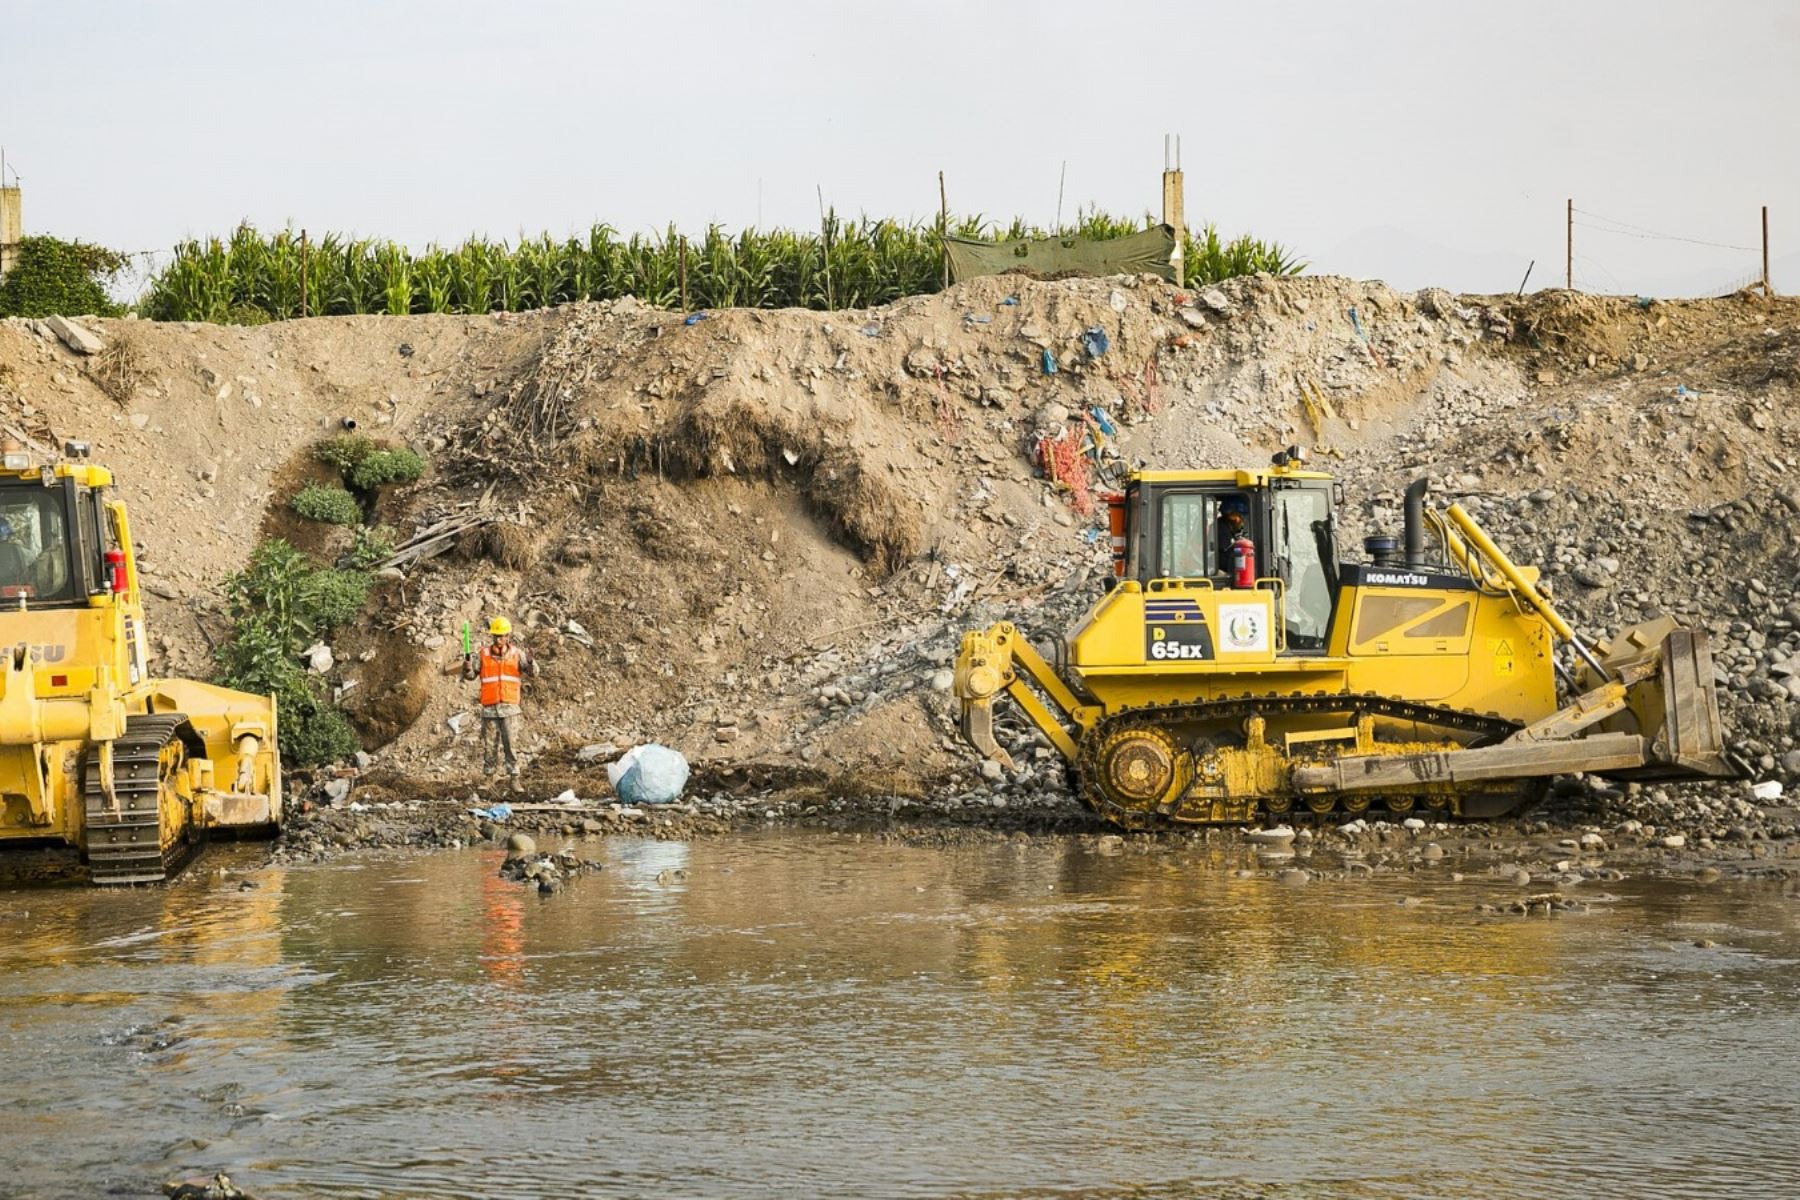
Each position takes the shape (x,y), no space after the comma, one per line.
(809,1014)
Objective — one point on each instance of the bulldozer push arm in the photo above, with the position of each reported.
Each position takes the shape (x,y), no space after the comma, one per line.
(1000,660)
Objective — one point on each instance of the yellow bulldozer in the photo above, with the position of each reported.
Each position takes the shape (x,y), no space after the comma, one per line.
(94,754)
(1234,668)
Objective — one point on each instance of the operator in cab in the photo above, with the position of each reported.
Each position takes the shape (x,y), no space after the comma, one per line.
(1236,553)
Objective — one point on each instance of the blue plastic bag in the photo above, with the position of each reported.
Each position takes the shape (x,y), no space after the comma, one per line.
(1094,341)
(649,774)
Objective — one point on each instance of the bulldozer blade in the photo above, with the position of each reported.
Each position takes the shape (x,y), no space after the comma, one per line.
(1689,741)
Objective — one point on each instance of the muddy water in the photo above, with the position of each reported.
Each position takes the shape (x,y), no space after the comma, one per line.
(809,1015)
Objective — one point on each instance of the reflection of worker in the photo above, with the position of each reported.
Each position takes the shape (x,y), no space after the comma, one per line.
(15,560)
(501,667)
(50,573)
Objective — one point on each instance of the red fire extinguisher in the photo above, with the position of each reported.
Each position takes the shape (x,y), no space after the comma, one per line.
(1243,562)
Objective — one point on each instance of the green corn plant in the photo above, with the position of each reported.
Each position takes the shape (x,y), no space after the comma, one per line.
(361,288)
(756,263)
(327,285)
(393,273)
(433,277)
(509,280)
(280,296)
(195,286)
(541,271)
(612,272)
(472,277)
(579,271)
(849,263)
(246,259)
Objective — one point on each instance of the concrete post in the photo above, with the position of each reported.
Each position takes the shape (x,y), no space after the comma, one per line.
(12,227)
(1172,208)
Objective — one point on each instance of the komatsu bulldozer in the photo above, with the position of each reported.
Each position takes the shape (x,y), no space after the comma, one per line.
(94,754)
(1235,669)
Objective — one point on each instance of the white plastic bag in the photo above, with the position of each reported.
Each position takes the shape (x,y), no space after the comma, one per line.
(648,774)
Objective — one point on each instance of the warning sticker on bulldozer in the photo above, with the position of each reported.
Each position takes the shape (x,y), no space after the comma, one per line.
(1503,655)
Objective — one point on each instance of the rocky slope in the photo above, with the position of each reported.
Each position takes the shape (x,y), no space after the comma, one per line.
(757,535)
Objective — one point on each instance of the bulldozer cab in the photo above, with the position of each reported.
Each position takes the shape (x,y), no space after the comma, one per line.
(1192,526)
(55,538)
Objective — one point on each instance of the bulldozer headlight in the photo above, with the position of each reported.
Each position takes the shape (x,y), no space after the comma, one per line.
(16,460)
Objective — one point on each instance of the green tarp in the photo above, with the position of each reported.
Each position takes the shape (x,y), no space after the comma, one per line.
(1141,253)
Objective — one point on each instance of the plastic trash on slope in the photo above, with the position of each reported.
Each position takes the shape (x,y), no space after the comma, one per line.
(648,774)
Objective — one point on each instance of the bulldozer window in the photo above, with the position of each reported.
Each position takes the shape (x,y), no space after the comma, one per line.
(34,545)
(1186,524)
(1303,539)
(1191,536)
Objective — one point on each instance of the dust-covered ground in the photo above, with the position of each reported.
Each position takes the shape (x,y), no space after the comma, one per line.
(758,535)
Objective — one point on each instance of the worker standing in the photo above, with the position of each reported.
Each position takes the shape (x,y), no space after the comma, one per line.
(501,666)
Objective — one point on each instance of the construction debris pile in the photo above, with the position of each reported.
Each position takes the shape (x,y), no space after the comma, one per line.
(756,536)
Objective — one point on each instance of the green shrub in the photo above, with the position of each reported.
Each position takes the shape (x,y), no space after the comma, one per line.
(278,604)
(345,451)
(332,505)
(373,543)
(387,466)
(58,278)
(366,464)
(334,597)
(313,732)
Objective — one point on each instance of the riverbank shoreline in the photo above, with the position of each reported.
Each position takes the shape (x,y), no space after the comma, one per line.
(1572,837)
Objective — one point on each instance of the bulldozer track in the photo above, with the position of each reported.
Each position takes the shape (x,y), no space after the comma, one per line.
(126,846)
(1487,726)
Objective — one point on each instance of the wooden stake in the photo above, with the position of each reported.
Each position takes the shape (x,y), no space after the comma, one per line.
(303,260)
(1768,292)
(683,272)
(944,226)
(825,241)
(1569,249)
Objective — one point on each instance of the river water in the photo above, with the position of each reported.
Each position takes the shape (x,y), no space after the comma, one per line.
(814,1015)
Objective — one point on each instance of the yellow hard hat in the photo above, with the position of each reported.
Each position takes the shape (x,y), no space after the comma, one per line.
(499,626)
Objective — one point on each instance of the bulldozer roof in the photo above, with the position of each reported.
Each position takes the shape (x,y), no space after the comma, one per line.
(83,473)
(1254,477)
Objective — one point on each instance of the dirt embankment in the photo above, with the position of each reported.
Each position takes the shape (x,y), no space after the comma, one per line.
(757,535)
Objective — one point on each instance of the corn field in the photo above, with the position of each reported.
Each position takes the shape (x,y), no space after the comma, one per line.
(252,277)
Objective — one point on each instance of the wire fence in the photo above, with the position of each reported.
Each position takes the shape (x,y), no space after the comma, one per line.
(1595,276)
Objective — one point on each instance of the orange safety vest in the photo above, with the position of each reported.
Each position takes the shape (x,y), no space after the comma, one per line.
(500,676)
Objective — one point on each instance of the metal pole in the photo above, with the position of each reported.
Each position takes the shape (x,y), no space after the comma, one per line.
(1569,249)
(1768,292)
(303,311)
(684,304)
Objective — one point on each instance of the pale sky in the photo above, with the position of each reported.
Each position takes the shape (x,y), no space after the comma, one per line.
(1422,142)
